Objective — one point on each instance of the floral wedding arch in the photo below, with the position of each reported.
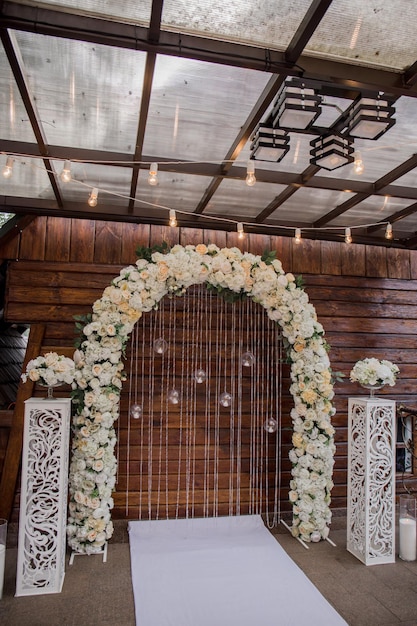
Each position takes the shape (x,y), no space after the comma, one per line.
(99,375)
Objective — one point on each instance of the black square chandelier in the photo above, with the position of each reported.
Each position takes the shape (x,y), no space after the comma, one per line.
(297,107)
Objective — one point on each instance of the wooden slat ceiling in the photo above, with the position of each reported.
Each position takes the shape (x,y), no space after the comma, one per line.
(195,82)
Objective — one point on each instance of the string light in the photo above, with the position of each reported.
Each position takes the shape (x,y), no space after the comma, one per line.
(92,200)
(358,166)
(250,174)
(348,235)
(172,218)
(66,172)
(8,168)
(153,174)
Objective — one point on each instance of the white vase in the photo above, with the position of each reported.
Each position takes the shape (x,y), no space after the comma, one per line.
(372,388)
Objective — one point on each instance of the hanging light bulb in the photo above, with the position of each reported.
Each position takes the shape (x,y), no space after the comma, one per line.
(92,200)
(358,166)
(172,218)
(160,345)
(388,231)
(250,174)
(240,231)
(225,399)
(200,376)
(248,359)
(297,235)
(271,425)
(173,396)
(8,168)
(348,235)
(66,172)
(136,411)
(153,174)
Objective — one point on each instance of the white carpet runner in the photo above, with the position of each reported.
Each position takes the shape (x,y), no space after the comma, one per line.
(224,571)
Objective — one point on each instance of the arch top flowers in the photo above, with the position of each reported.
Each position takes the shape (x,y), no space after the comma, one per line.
(99,374)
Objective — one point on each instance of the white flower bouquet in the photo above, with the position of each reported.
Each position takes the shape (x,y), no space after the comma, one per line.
(50,370)
(374,372)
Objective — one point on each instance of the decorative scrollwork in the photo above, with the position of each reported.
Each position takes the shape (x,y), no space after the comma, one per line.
(42,516)
(371,480)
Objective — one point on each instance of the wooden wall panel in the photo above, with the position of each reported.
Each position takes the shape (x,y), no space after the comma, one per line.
(82,241)
(364,314)
(353,259)
(57,241)
(32,240)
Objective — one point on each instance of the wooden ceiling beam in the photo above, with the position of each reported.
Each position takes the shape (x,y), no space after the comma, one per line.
(379,185)
(67,24)
(306,29)
(16,63)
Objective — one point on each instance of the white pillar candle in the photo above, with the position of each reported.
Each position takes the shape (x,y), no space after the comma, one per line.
(408,538)
(2,562)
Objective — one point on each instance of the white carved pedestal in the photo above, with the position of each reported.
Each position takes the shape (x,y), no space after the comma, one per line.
(43,499)
(371,480)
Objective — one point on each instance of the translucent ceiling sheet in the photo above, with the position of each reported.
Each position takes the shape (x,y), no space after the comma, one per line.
(406,227)
(113,183)
(267,23)
(128,10)
(14,121)
(181,192)
(374,32)
(307,205)
(383,155)
(373,209)
(234,198)
(29,179)
(197,108)
(87,95)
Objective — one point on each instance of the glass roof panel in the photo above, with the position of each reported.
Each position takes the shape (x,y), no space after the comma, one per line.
(113,183)
(197,108)
(306,206)
(29,179)
(128,10)
(383,155)
(234,197)
(181,192)
(87,95)
(371,33)
(373,209)
(14,122)
(261,22)
(406,227)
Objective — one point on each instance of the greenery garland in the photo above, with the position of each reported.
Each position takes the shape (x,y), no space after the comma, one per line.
(162,271)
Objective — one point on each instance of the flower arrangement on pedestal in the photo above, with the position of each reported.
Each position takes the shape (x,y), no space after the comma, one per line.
(50,370)
(99,375)
(372,372)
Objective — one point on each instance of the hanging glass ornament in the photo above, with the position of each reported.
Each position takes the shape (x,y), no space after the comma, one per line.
(247,359)
(173,396)
(225,398)
(136,411)
(200,376)
(271,425)
(160,345)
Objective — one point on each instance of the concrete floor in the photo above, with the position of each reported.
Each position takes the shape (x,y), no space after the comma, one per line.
(100,594)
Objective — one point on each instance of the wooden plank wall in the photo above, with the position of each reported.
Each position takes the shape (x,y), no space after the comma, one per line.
(365,297)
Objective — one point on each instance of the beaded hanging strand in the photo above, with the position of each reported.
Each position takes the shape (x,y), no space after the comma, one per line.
(161,318)
(129,417)
(142,427)
(208,309)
